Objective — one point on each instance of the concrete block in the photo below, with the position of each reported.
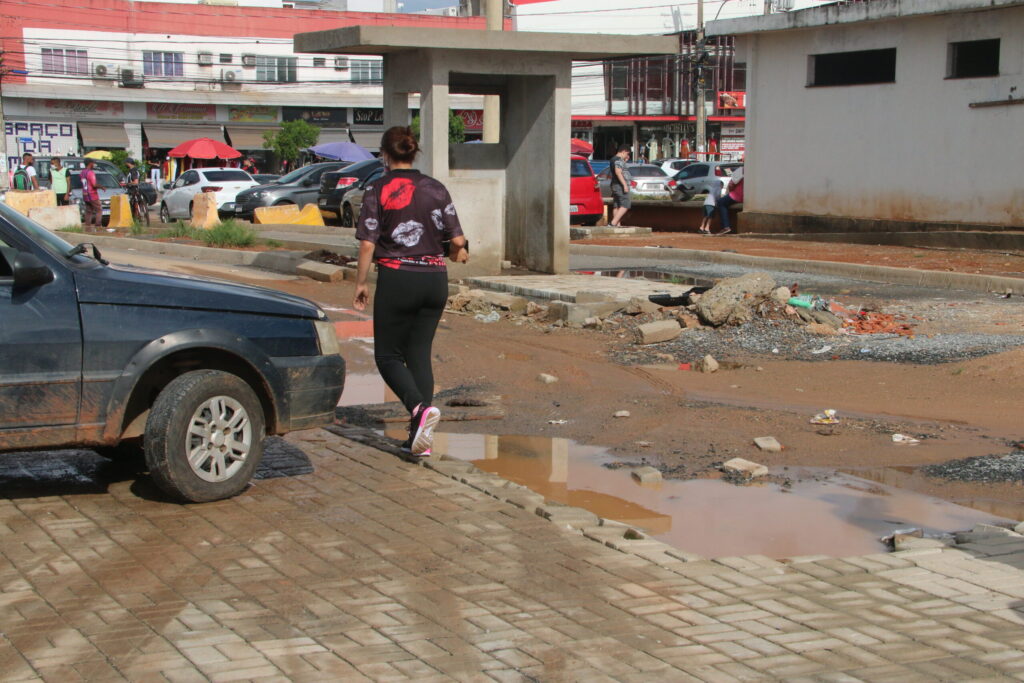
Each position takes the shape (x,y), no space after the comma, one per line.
(310,215)
(286,213)
(545,378)
(658,331)
(745,468)
(637,305)
(586,296)
(120,212)
(56,217)
(646,475)
(768,443)
(323,272)
(1019,528)
(507,302)
(707,364)
(23,201)
(204,211)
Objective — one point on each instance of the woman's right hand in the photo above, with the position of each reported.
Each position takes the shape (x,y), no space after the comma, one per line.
(361,298)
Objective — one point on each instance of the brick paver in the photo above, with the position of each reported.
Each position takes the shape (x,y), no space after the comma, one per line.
(371,568)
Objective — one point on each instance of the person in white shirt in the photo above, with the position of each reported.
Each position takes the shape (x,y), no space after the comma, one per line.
(714,194)
(27,167)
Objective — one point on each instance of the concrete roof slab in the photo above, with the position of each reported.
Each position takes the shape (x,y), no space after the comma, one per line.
(379,40)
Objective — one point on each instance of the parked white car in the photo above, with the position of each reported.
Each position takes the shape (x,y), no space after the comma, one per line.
(224,183)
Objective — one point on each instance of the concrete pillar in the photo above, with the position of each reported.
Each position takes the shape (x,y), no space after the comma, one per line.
(396,94)
(492,103)
(434,106)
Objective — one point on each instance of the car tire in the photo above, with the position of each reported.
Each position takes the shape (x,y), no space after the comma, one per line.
(188,449)
(165,214)
(347,219)
(190,210)
(685,196)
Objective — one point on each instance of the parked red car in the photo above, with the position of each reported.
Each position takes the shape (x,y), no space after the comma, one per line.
(585,203)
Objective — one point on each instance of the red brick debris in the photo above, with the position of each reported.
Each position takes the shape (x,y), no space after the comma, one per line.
(873,322)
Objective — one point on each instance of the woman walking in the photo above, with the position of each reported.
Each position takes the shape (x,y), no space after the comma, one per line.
(405,219)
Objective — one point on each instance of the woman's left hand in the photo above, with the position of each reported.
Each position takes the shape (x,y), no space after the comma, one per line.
(461,256)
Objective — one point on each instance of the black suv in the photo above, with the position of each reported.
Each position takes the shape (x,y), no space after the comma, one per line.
(336,184)
(194,372)
(298,187)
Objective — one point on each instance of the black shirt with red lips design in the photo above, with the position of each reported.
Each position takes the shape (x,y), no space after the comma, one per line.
(407,215)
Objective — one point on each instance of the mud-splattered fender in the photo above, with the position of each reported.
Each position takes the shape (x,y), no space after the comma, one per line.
(218,342)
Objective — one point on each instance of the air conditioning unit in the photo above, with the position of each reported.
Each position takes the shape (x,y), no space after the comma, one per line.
(230,75)
(205,58)
(340,63)
(248,60)
(130,78)
(104,70)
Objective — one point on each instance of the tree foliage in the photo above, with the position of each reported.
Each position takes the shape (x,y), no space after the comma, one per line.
(291,137)
(456,127)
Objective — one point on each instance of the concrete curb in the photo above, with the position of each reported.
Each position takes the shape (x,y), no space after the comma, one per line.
(885,274)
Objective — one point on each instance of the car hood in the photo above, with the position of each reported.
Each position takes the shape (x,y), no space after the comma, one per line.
(267,186)
(131,286)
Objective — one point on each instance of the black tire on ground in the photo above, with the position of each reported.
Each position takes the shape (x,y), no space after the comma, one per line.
(196,414)
(165,214)
(347,219)
(591,221)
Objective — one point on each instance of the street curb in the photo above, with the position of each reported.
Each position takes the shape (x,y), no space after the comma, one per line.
(885,274)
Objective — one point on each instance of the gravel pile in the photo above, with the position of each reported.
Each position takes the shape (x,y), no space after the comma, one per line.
(984,468)
(791,341)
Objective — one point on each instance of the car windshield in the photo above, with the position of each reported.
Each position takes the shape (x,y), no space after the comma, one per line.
(646,171)
(578,168)
(104,181)
(294,175)
(227,176)
(37,232)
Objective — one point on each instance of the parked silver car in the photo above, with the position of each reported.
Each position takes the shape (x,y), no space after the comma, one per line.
(675,165)
(697,178)
(648,180)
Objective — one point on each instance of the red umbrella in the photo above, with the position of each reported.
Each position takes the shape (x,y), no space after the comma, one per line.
(581,147)
(205,148)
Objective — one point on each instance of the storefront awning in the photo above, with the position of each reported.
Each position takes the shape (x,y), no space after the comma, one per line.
(369,140)
(165,136)
(248,138)
(107,135)
(332,135)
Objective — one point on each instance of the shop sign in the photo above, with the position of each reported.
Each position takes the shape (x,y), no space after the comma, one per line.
(40,138)
(367,117)
(733,131)
(325,117)
(252,114)
(472,119)
(582,125)
(732,145)
(732,99)
(180,111)
(80,108)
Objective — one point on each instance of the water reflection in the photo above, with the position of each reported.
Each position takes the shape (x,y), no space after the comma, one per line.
(823,513)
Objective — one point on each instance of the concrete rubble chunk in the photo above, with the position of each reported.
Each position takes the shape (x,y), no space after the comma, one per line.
(658,331)
(732,301)
(822,329)
(745,468)
(506,302)
(621,413)
(910,542)
(768,443)
(533,308)
(706,364)
(633,535)
(688,321)
(586,296)
(592,323)
(781,294)
(1019,528)
(322,272)
(826,318)
(646,474)
(546,378)
(638,305)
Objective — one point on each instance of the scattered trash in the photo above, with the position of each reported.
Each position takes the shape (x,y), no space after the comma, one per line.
(768,443)
(621,413)
(826,417)
(823,349)
(865,350)
(803,301)
(905,440)
(685,366)
(546,378)
(643,444)
(111,229)
(744,468)
(646,474)
(775,350)
(491,317)
(558,422)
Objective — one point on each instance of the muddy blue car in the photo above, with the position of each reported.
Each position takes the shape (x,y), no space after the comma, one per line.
(192,372)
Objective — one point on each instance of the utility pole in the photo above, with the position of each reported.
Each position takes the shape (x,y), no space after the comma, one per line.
(494,10)
(701,141)
(4,177)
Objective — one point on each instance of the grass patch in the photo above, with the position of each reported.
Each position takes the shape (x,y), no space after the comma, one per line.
(273,244)
(137,228)
(182,229)
(229,233)
(71,228)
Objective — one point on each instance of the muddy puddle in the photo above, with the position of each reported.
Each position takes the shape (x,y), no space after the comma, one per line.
(822,512)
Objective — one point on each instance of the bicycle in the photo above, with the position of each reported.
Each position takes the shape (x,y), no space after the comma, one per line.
(140,211)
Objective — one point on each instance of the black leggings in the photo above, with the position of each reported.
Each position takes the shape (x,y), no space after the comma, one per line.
(406,309)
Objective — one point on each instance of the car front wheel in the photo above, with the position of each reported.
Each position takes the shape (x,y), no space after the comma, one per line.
(347,218)
(165,214)
(204,436)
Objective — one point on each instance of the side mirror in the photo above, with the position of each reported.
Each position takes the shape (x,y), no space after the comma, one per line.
(30,272)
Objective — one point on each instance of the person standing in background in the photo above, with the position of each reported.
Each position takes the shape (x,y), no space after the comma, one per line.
(59,181)
(91,196)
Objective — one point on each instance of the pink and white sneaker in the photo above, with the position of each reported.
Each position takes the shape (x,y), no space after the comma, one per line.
(423,423)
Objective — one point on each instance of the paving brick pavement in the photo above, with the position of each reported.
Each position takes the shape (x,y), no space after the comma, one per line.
(366,567)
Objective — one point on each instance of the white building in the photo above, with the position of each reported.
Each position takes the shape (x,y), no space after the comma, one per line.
(884,115)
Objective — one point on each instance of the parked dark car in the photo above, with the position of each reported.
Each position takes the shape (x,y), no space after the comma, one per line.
(192,372)
(299,187)
(335,186)
(352,202)
(264,178)
(42,165)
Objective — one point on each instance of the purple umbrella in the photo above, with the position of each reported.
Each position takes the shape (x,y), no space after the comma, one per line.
(341,151)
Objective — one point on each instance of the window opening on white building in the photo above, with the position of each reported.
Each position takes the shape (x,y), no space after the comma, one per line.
(973,59)
(276,69)
(860,67)
(65,61)
(366,70)
(163,63)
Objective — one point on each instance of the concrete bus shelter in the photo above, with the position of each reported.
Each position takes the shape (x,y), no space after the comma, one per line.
(512,196)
